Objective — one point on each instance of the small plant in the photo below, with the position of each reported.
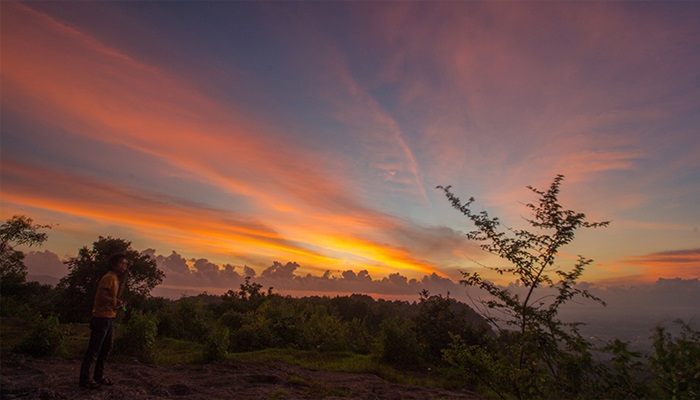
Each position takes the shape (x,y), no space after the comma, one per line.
(139,337)
(254,334)
(279,394)
(545,356)
(217,343)
(398,345)
(623,376)
(676,362)
(45,339)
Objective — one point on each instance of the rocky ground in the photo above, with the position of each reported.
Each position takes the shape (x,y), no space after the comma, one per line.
(24,377)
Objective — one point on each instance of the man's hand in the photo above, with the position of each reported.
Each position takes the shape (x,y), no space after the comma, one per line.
(120,303)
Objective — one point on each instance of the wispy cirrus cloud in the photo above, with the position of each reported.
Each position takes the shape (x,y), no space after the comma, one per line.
(328,127)
(142,108)
(520,91)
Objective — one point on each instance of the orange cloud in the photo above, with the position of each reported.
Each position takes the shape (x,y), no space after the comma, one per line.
(140,107)
(50,190)
(683,264)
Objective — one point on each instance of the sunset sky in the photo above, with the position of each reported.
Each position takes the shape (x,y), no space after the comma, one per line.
(232,134)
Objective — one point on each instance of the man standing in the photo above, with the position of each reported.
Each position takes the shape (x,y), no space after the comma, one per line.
(104,310)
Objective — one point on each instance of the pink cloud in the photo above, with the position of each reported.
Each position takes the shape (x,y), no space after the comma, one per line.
(670,264)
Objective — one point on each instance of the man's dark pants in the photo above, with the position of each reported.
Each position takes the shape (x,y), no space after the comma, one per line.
(101,339)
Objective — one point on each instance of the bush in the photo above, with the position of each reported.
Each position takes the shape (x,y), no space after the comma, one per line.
(217,344)
(192,319)
(33,299)
(139,337)
(185,319)
(398,345)
(325,332)
(548,357)
(676,362)
(284,322)
(360,341)
(45,339)
(10,306)
(254,334)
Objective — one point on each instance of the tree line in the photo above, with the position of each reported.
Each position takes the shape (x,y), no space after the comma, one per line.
(511,346)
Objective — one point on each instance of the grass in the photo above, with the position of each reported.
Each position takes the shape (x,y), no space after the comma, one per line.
(279,394)
(173,351)
(339,361)
(12,332)
(347,362)
(76,340)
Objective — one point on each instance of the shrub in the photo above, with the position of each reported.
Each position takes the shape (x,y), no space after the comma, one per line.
(254,334)
(548,356)
(139,337)
(193,320)
(217,344)
(185,319)
(676,362)
(45,339)
(397,344)
(11,306)
(283,321)
(360,341)
(325,332)
(625,375)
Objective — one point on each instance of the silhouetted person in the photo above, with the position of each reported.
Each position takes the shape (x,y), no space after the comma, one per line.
(104,310)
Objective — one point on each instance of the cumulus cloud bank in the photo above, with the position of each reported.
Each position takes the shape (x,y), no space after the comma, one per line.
(196,275)
(191,276)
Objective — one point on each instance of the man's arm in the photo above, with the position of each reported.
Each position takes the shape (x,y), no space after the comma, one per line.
(109,298)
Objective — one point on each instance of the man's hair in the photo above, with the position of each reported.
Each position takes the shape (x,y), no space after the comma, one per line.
(114,259)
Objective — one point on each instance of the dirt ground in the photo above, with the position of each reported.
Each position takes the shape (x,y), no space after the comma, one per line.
(23,377)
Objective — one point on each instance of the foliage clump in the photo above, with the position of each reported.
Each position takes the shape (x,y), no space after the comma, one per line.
(538,355)
(138,337)
(398,345)
(16,231)
(217,342)
(676,362)
(45,339)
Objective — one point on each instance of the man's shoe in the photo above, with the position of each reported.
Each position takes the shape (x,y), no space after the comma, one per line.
(89,385)
(104,382)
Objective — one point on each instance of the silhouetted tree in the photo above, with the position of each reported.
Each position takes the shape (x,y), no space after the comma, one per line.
(16,231)
(77,289)
(542,354)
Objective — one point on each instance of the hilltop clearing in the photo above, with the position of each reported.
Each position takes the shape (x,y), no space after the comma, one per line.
(24,377)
